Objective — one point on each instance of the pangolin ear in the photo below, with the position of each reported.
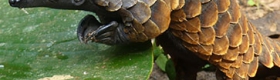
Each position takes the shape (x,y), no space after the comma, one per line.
(78,2)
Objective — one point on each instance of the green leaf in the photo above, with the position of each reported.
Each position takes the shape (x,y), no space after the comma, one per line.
(170,70)
(157,51)
(161,61)
(43,44)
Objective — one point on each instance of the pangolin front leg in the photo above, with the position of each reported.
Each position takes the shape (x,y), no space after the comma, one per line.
(89,29)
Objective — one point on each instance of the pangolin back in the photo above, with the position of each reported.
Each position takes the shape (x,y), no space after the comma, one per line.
(214,30)
(218,32)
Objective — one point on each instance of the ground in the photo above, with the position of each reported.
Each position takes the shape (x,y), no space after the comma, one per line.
(265,16)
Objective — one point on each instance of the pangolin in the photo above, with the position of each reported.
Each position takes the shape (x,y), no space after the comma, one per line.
(192,32)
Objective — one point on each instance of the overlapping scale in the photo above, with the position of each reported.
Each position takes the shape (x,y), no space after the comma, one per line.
(192,8)
(209,15)
(221,46)
(214,30)
(141,12)
(222,25)
(223,5)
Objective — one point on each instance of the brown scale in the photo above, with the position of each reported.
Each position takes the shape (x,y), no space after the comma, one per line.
(213,30)
(236,40)
(216,31)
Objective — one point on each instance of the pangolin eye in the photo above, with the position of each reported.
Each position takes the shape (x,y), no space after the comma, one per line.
(78,2)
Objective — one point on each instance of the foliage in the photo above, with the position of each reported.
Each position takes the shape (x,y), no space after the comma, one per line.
(43,44)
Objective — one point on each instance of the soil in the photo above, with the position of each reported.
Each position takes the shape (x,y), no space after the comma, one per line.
(265,15)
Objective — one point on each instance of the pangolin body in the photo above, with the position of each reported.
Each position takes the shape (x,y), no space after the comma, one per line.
(192,32)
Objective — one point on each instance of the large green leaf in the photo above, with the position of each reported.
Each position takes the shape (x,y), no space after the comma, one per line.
(43,44)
